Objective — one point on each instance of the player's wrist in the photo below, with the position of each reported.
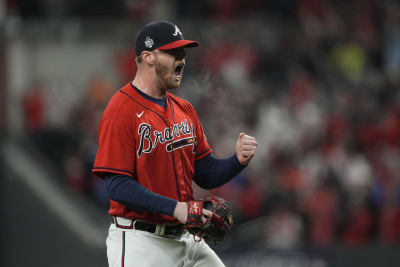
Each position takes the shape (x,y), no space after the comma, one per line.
(180,212)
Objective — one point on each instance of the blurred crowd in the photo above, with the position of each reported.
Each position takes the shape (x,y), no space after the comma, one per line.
(317,82)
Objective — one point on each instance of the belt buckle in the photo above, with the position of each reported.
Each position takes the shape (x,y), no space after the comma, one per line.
(123,223)
(160,229)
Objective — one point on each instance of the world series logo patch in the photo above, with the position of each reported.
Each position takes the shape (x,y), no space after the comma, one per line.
(148,42)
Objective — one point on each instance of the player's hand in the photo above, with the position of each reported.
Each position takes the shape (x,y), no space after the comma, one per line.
(245,148)
(180,213)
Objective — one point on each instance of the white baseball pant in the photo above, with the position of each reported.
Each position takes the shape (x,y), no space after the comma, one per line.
(136,248)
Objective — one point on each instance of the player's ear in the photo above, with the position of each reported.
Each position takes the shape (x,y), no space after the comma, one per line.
(148,57)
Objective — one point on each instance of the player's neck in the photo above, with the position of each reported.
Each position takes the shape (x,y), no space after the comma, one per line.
(148,85)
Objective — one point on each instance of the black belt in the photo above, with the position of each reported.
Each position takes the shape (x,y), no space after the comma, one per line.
(152,228)
(159,229)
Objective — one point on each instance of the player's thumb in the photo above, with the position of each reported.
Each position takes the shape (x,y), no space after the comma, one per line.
(207,213)
(238,142)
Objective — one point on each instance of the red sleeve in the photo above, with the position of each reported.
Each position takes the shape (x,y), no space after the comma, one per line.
(202,146)
(116,146)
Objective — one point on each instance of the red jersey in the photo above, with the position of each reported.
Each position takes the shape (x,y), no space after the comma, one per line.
(156,147)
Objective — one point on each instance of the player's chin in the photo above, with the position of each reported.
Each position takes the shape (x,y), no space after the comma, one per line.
(175,84)
(178,83)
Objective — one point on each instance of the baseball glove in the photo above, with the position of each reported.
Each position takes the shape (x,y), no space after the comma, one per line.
(216,227)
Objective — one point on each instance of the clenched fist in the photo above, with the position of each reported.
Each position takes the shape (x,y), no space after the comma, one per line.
(245,148)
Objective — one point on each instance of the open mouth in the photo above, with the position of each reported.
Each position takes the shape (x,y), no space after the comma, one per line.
(179,70)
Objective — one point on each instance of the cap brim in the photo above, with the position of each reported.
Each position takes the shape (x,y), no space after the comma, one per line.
(179,43)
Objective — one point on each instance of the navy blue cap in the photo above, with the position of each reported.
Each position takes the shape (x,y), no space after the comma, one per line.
(162,35)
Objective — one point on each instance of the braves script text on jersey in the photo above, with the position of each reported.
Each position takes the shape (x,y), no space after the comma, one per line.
(136,134)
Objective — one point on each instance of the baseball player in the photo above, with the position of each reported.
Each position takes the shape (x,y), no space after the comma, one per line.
(151,146)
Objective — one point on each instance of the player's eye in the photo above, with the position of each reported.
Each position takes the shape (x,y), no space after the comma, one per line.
(178,53)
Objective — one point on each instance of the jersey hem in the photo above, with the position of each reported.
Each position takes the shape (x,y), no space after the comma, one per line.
(99,170)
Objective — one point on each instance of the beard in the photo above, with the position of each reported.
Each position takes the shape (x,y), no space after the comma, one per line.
(166,76)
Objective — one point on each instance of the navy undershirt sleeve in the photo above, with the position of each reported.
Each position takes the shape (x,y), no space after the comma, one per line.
(210,172)
(123,189)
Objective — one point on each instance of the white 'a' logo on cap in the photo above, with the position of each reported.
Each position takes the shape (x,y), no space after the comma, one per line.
(177,31)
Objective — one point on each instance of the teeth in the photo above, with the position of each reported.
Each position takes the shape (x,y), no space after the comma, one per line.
(178,71)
